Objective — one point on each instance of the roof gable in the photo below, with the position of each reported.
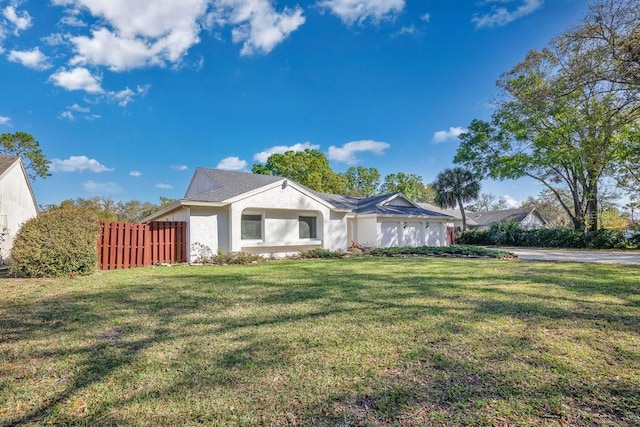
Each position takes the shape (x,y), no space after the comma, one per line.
(385,204)
(215,185)
(6,162)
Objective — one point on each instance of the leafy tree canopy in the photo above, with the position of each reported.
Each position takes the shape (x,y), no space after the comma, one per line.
(411,185)
(23,145)
(309,168)
(487,202)
(557,122)
(108,210)
(362,181)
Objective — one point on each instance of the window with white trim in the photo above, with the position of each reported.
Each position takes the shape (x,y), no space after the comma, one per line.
(307,227)
(251,227)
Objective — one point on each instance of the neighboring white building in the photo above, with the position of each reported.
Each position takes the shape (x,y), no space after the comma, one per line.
(236,211)
(17,203)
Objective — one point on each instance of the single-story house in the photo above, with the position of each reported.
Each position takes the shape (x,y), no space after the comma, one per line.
(17,203)
(269,215)
(527,218)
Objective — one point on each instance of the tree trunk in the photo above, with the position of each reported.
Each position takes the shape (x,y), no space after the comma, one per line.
(464,218)
(592,205)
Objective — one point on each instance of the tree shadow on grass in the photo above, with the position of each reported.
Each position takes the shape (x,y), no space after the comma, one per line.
(438,382)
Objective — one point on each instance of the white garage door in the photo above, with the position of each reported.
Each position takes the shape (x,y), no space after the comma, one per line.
(390,234)
(412,235)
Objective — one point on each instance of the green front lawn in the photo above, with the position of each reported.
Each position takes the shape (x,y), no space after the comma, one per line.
(365,341)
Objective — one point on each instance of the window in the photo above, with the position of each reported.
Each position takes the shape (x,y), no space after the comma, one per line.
(251,227)
(307,227)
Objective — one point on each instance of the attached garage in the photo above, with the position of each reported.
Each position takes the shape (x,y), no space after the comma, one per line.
(390,234)
(413,234)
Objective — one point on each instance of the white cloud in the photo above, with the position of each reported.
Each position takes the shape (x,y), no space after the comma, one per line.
(67,115)
(78,108)
(144,33)
(411,30)
(179,167)
(103,188)
(4,120)
(54,39)
(78,78)
(72,21)
(500,16)
(232,164)
(448,135)
(279,149)
(139,33)
(510,202)
(78,164)
(256,24)
(21,20)
(135,173)
(346,153)
(125,96)
(358,11)
(426,17)
(163,186)
(30,58)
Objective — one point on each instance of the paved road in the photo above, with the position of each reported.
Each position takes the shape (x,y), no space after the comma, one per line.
(613,257)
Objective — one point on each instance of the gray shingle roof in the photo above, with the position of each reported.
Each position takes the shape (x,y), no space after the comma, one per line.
(215,185)
(374,205)
(6,162)
(494,217)
(451,212)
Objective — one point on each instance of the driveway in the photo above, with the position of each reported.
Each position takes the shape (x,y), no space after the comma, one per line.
(576,255)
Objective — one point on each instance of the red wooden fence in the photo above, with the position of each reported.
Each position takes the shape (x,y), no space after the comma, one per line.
(126,245)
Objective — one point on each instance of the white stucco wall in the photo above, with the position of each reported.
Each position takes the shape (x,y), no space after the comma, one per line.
(366,231)
(337,238)
(16,207)
(280,207)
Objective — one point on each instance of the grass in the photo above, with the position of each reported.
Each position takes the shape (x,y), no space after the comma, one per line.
(365,341)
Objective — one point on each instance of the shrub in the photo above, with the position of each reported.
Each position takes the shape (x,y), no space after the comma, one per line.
(474,237)
(61,242)
(205,255)
(443,251)
(548,238)
(229,258)
(606,239)
(321,253)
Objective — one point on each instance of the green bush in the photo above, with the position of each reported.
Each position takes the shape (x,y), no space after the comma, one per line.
(548,238)
(443,251)
(205,255)
(61,242)
(474,237)
(321,253)
(606,239)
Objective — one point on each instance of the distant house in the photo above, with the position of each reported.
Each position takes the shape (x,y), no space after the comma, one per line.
(17,203)
(455,213)
(527,218)
(269,215)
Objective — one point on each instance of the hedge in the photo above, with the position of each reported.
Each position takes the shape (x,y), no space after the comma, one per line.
(505,235)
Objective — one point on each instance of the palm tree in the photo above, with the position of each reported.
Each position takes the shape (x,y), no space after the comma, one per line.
(456,186)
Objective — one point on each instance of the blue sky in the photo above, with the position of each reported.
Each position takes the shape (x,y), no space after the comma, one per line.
(128,97)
